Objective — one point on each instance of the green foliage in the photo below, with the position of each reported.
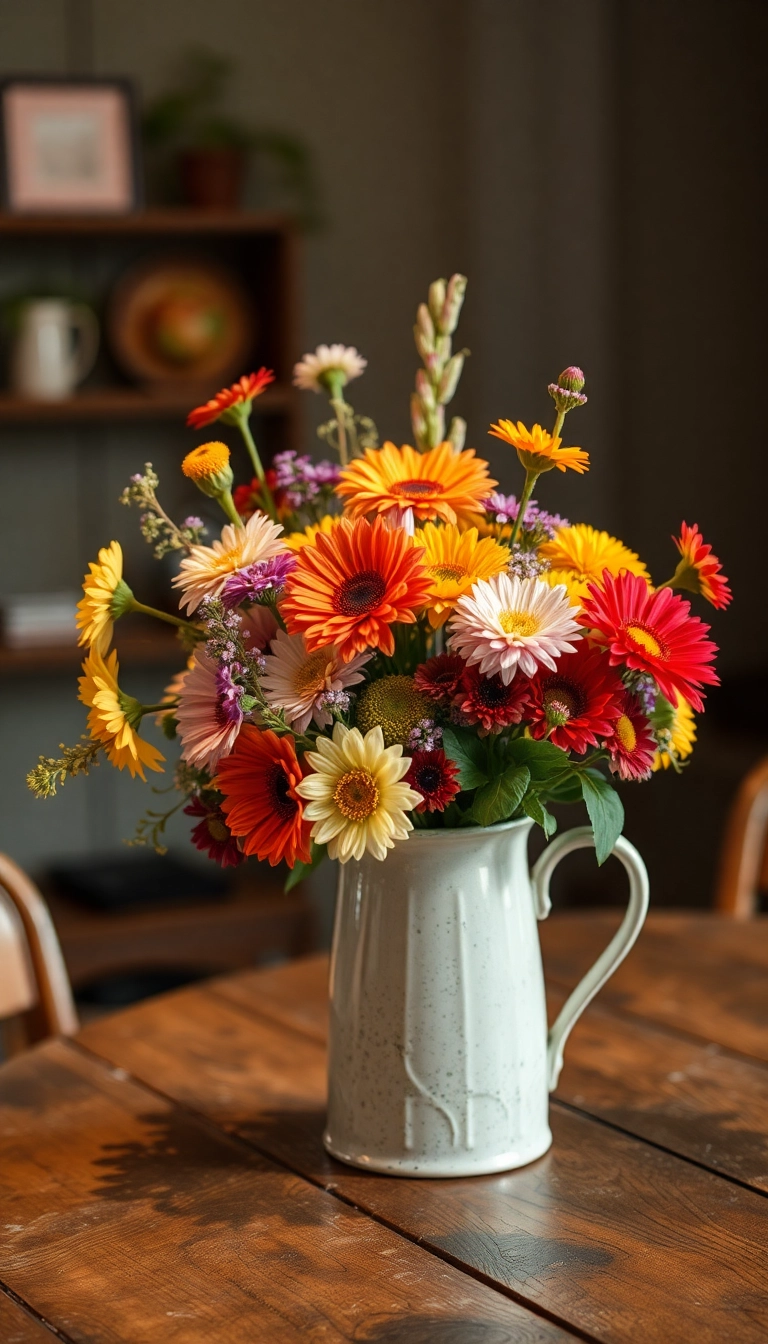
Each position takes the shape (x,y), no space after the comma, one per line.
(535,809)
(301,870)
(605,809)
(497,800)
(544,760)
(469,753)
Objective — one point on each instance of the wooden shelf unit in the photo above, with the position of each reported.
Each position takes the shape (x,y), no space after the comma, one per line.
(129,403)
(156,648)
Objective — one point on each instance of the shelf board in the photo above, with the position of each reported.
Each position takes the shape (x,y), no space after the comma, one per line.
(178,221)
(155,648)
(130,403)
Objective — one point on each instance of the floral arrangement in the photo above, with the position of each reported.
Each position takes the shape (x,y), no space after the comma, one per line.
(385,641)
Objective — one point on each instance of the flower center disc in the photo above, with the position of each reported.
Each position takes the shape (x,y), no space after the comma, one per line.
(428,778)
(493,693)
(279,787)
(356,795)
(626,733)
(561,703)
(416,489)
(448,573)
(646,640)
(520,623)
(310,677)
(359,594)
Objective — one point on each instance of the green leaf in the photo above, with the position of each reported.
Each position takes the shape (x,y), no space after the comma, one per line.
(499,799)
(465,749)
(535,809)
(301,870)
(605,812)
(544,759)
(566,791)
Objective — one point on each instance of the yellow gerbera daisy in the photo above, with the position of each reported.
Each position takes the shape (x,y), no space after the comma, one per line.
(405,484)
(682,735)
(106,598)
(578,556)
(537,450)
(296,540)
(115,717)
(455,560)
(355,796)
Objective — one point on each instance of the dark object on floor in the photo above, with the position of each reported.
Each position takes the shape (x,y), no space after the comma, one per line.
(137,882)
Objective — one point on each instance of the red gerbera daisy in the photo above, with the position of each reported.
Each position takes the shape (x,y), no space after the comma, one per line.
(240,393)
(434,776)
(261,805)
(579,702)
(632,746)
(652,632)
(352,584)
(699,570)
(249,498)
(212,835)
(487,701)
(440,677)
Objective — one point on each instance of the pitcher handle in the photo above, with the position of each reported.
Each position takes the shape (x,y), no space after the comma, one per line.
(582,838)
(85,323)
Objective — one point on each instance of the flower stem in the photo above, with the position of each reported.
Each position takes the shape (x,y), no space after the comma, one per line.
(228,505)
(531,477)
(558,424)
(253,452)
(164,616)
(340,410)
(160,709)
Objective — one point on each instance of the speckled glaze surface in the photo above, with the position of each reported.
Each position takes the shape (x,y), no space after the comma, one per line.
(440,1062)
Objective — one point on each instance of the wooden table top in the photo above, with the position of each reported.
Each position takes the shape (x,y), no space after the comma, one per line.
(162,1177)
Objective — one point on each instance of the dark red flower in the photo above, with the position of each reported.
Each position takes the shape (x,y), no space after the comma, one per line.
(212,835)
(440,677)
(248,497)
(487,701)
(239,394)
(578,703)
(632,746)
(434,776)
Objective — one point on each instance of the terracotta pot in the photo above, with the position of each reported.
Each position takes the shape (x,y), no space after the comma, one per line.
(212,179)
(440,1060)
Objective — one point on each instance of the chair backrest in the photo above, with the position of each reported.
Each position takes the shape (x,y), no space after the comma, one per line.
(744,860)
(32,970)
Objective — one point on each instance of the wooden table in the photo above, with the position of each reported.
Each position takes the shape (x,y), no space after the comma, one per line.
(162,1177)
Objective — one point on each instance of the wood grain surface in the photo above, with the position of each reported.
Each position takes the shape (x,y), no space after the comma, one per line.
(17,1326)
(171,1161)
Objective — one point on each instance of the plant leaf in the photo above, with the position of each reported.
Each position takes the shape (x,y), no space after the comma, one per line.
(301,870)
(499,799)
(466,751)
(606,812)
(535,809)
(544,759)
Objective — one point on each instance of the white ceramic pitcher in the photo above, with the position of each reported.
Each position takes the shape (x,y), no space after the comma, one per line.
(55,348)
(440,1060)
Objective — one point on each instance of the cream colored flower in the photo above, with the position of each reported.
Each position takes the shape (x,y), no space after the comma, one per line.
(204,572)
(295,680)
(355,796)
(506,623)
(329,363)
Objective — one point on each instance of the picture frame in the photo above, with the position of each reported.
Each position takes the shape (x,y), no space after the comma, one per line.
(69,146)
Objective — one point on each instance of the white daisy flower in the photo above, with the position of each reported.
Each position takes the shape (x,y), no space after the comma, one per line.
(295,680)
(354,795)
(343,361)
(508,623)
(205,570)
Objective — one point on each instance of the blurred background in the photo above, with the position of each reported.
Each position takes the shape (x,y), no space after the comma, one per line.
(593,167)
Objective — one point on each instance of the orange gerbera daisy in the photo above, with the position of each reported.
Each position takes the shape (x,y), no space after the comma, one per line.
(537,450)
(261,805)
(352,585)
(699,570)
(240,393)
(405,484)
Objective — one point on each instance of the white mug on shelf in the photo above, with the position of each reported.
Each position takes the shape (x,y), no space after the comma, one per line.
(55,348)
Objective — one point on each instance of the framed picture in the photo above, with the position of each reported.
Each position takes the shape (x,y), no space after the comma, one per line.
(68,146)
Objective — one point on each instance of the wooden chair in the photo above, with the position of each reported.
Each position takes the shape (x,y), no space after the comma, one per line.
(33,977)
(744,861)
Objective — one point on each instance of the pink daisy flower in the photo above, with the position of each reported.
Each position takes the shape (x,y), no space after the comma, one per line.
(209,714)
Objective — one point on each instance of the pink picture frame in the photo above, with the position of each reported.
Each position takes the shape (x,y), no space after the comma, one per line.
(69,146)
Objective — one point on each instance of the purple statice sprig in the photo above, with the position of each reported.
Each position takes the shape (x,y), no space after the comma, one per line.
(502,509)
(259,582)
(426,736)
(525,564)
(335,703)
(302,480)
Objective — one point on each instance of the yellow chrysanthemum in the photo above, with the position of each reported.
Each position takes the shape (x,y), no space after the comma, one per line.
(537,450)
(208,459)
(355,795)
(106,598)
(405,484)
(296,540)
(114,717)
(682,735)
(393,704)
(454,561)
(578,556)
